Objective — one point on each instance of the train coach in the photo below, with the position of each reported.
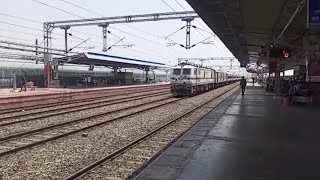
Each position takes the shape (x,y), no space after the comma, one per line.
(190,79)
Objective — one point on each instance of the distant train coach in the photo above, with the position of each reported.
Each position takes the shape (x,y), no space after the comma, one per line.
(190,79)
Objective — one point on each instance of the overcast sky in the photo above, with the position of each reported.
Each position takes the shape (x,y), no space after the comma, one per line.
(156,50)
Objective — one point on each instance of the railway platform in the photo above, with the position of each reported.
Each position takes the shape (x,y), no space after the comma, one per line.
(13,99)
(250,137)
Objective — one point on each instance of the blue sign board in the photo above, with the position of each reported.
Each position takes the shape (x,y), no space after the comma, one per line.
(313,14)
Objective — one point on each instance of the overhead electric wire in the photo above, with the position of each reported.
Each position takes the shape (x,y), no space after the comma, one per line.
(19,32)
(94,35)
(126,49)
(175,32)
(183,26)
(125,31)
(115,35)
(110,27)
(89,34)
(213,43)
(151,34)
(134,50)
(180,5)
(114,44)
(78,45)
(58,9)
(202,41)
(176,11)
(26,40)
(200,33)
(168,5)
(218,48)
(197,29)
(16,17)
(17,25)
(137,36)
(96,14)
(38,22)
(21,39)
(171,40)
(34,29)
(154,42)
(204,36)
(80,7)
(186,10)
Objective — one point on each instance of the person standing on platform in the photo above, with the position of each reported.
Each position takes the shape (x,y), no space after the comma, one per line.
(84,81)
(252,81)
(261,82)
(89,79)
(23,84)
(243,84)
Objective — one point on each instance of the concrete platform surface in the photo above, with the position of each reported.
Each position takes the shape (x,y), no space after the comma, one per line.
(41,96)
(251,137)
(8,92)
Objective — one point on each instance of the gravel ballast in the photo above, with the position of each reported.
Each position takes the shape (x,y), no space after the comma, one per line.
(64,156)
(39,123)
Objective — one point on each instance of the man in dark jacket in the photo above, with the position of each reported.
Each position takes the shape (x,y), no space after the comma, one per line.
(243,84)
(23,84)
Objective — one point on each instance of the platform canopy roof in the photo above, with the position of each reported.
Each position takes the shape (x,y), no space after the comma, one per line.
(107,60)
(249,27)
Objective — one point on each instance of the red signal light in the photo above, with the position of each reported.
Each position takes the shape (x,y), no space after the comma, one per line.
(286,54)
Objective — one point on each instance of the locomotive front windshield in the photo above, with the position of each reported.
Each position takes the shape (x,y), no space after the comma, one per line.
(186,71)
(176,71)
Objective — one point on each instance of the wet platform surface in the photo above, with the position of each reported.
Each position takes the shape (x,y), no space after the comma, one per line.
(250,137)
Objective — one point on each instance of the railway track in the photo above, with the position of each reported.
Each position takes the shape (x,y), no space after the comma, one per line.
(131,158)
(48,105)
(30,116)
(17,142)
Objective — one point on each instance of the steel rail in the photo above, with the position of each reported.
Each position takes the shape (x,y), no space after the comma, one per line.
(97,163)
(5,139)
(79,108)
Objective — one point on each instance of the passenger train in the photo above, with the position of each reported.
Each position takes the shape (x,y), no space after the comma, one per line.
(189,79)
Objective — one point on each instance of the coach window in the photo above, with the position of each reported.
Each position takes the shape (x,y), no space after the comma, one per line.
(176,71)
(186,71)
(195,72)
